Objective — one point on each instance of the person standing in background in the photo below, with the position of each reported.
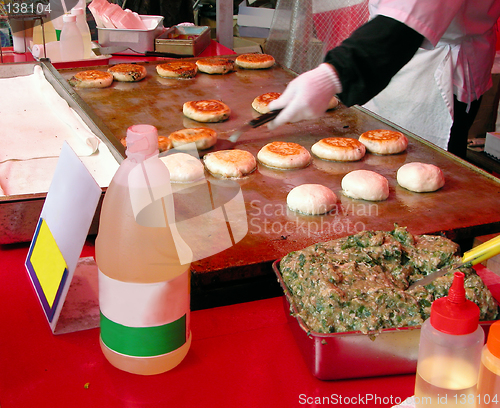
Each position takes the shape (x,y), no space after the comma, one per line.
(422,64)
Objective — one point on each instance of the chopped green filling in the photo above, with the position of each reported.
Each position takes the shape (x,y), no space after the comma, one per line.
(358,282)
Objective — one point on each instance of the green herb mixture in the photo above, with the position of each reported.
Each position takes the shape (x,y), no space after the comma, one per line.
(358,282)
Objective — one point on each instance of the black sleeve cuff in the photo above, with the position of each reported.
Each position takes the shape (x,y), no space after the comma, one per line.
(371,56)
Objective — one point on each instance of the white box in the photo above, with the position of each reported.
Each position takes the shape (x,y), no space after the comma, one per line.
(255,16)
(492,144)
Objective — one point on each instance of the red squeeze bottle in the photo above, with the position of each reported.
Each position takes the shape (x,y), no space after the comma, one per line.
(449,352)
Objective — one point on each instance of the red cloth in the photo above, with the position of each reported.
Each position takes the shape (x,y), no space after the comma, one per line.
(334,26)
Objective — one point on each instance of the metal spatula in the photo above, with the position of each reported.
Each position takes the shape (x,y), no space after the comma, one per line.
(262,119)
(474,256)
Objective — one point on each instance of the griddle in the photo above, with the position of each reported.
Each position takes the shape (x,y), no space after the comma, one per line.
(467,206)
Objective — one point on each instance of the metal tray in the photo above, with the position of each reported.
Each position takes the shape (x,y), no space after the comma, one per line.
(336,356)
(132,41)
(19,213)
(183,40)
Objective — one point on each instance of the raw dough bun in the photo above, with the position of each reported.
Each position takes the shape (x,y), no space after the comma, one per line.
(233,163)
(177,69)
(383,141)
(215,65)
(420,177)
(128,72)
(313,199)
(365,185)
(254,61)
(183,167)
(206,110)
(261,102)
(284,155)
(91,78)
(202,137)
(339,149)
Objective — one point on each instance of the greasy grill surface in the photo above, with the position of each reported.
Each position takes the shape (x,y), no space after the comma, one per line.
(466,206)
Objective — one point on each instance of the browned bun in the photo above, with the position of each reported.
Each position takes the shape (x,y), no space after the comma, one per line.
(284,155)
(339,149)
(128,72)
(261,102)
(383,141)
(206,110)
(215,65)
(91,79)
(254,61)
(230,163)
(204,138)
(177,69)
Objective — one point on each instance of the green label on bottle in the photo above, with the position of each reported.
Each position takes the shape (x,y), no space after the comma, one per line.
(143,341)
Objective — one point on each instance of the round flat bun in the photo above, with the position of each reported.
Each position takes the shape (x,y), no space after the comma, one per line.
(313,199)
(164,143)
(261,102)
(215,65)
(254,61)
(383,141)
(339,149)
(284,155)
(203,137)
(128,72)
(206,111)
(92,78)
(177,69)
(230,163)
(420,177)
(183,167)
(365,185)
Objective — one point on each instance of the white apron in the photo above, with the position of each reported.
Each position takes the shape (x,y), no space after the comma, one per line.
(421,101)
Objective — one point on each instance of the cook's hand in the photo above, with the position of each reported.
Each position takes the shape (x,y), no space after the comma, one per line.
(307,96)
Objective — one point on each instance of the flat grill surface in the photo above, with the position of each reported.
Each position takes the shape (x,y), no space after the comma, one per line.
(468,205)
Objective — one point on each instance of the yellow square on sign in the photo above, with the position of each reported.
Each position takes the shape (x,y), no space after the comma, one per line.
(48,263)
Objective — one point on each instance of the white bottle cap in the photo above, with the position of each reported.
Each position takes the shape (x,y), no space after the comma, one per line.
(77,11)
(68,18)
(142,142)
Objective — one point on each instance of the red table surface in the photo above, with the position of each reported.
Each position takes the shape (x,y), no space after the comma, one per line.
(243,355)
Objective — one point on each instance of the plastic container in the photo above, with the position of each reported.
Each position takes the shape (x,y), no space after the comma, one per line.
(50,50)
(81,23)
(143,264)
(488,384)
(133,41)
(72,48)
(449,353)
(22,34)
(45,34)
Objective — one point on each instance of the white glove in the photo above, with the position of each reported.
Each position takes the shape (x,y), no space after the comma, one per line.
(307,96)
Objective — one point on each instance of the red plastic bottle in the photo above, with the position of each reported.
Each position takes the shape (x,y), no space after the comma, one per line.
(449,353)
